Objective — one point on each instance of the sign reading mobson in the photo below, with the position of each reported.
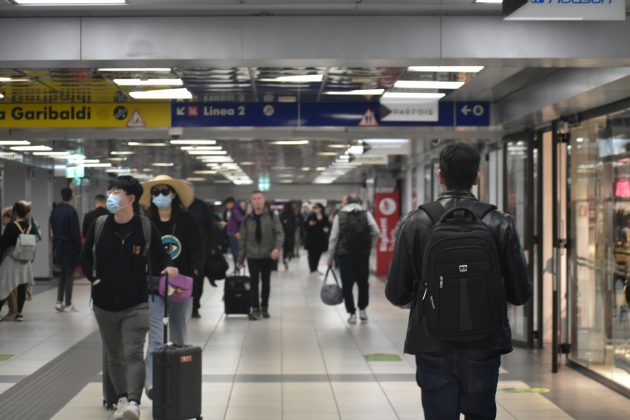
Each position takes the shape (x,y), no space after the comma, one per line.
(564,10)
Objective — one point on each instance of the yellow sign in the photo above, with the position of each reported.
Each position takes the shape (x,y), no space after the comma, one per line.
(86,115)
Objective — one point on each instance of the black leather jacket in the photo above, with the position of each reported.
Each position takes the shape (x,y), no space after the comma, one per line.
(406,268)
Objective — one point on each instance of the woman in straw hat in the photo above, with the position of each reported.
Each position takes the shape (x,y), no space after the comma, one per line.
(166,199)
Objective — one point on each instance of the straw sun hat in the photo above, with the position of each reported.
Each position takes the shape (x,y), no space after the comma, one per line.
(182,189)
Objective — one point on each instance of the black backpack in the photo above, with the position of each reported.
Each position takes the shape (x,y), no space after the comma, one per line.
(355,234)
(464,296)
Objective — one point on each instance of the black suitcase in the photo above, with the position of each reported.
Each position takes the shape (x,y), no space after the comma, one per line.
(176,379)
(236,295)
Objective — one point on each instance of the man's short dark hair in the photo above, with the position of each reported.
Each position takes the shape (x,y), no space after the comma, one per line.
(229,200)
(459,163)
(257,192)
(130,186)
(66,194)
(100,198)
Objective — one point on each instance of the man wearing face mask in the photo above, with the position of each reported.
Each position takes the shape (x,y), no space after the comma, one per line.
(114,259)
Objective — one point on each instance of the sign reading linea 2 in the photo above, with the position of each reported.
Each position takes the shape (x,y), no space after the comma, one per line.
(564,9)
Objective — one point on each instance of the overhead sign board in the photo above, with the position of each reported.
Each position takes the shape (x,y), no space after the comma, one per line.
(372,159)
(598,10)
(85,115)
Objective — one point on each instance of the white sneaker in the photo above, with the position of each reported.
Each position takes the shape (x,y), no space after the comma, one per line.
(352,319)
(59,306)
(121,407)
(363,316)
(132,412)
(70,308)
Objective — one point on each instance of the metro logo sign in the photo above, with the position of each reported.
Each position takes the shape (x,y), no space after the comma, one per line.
(578,10)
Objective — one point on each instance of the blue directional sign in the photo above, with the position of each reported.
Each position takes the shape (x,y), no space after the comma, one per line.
(320,114)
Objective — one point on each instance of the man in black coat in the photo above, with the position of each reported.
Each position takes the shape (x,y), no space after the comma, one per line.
(90,217)
(66,238)
(455,377)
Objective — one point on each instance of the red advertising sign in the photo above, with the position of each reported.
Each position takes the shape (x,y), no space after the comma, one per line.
(387,214)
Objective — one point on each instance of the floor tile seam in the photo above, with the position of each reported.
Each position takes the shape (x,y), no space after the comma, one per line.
(227,407)
(321,351)
(376,379)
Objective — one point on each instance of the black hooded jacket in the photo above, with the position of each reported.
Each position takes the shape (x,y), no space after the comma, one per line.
(403,281)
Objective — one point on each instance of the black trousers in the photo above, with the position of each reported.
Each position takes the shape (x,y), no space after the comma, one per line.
(355,269)
(21,298)
(197,290)
(313,259)
(260,271)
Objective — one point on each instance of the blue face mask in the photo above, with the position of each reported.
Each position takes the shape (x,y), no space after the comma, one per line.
(162,201)
(113,203)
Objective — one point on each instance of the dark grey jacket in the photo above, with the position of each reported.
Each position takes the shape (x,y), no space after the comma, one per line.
(406,269)
(272,236)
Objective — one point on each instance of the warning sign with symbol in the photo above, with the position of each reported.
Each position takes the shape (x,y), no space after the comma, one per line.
(369,119)
(135,121)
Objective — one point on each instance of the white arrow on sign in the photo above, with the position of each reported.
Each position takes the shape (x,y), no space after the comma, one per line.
(181,111)
(477,110)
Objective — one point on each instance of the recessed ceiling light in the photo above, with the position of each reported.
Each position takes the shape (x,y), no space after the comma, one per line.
(247,163)
(427,84)
(137,69)
(69,2)
(14,142)
(140,144)
(206,152)
(193,142)
(163,164)
(489,1)
(181,93)
(305,78)
(149,82)
(97,165)
(360,92)
(39,148)
(13,79)
(413,95)
(290,142)
(447,69)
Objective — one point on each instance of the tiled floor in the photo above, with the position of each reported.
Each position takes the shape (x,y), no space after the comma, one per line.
(303,363)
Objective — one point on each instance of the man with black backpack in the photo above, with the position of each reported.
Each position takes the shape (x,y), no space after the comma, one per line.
(354,232)
(457,263)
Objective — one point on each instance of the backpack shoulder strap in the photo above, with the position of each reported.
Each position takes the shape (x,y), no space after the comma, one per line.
(434,210)
(481,209)
(19,227)
(98,227)
(146,231)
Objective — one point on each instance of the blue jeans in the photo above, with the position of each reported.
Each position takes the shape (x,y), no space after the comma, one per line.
(179,314)
(459,381)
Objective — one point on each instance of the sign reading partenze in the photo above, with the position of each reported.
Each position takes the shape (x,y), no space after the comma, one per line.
(564,9)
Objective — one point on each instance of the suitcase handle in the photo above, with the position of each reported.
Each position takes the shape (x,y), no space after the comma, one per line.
(165,318)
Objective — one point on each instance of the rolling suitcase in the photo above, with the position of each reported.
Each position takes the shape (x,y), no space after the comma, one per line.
(176,379)
(236,295)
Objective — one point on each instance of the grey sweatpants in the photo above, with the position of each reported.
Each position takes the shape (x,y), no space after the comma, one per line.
(123,334)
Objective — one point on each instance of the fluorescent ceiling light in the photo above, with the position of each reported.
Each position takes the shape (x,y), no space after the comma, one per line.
(290,142)
(122,152)
(163,164)
(31,148)
(137,69)
(489,1)
(205,172)
(118,159)
(137,143)
(149,82)
(69,2)
(188,148)
(207,152)
(10,79)
(181,93)
(446,69)
(320,168)
(52,154)
(427,84)
(89,161)
(14,142)
(361,92)
(356,150)
(97,165)
(386,142)
(306,169)
(305,78)
(217,159)
(194,142)
(413,95)
(195,179)
(1,96)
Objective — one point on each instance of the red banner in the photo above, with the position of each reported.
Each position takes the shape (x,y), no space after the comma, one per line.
(387,214)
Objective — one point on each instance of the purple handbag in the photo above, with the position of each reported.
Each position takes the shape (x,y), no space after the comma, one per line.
(179,288)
